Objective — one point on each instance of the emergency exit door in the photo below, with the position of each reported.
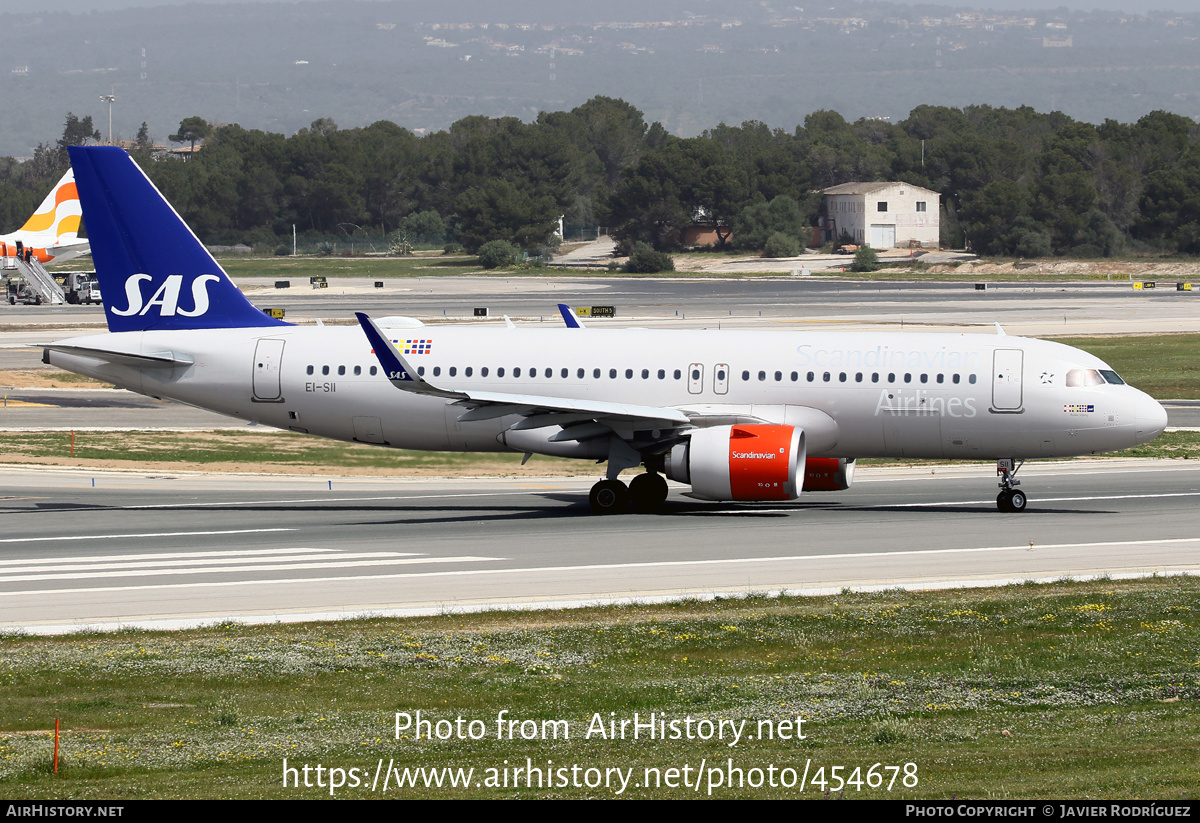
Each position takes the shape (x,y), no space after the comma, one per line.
(268,356)
(1006,380)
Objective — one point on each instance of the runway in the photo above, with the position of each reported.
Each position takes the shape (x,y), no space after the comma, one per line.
(181,550)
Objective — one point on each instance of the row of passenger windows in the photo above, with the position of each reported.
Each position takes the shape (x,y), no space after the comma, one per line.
(661,374)
(484,371)
(859,377)
(341,370)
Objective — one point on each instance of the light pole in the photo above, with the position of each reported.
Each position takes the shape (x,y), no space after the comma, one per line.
(109,98)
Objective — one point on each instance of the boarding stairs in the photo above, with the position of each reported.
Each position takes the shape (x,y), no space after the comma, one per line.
(38,280)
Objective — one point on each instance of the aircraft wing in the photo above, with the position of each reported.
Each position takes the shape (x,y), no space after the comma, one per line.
(539,410)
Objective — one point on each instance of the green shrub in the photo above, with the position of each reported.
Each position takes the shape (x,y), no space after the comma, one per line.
(497,254)
(645,260)
(781,245)
(865,259)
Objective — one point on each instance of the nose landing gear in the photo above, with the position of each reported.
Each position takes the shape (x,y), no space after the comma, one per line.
(1010,499)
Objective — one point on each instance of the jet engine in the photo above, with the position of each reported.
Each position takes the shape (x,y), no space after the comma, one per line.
(828,474)
(741,462)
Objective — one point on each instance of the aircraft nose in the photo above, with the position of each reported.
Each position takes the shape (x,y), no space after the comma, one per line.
(1150,417)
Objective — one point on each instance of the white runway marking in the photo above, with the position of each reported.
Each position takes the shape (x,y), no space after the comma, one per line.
(154,565)
(131,536)
(112,558)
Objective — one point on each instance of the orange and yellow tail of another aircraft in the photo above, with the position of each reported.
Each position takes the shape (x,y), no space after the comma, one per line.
(52,233)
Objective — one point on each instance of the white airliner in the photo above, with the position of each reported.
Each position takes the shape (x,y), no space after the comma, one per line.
(51,233)
(738,415)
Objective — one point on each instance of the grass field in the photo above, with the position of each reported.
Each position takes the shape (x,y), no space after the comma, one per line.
(305,267)
(1071,690)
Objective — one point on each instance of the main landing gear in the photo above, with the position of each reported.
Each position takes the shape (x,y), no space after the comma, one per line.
(1010,499)
(646,493)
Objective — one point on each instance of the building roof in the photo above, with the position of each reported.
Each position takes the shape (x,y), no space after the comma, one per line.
(870,188)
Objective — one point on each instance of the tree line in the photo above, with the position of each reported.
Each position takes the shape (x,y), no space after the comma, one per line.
(1014,182)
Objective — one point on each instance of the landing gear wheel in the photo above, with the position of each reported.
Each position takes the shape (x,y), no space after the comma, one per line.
(647,492)
(609,497)
(1011,500)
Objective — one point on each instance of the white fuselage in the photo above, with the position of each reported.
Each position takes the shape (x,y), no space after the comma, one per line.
(888,394)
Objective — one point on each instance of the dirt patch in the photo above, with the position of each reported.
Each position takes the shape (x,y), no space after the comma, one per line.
(47,378)
(1117,269)
(57,328)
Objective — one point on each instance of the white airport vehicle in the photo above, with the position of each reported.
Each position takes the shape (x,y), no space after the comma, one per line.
(79,287)
(737,415)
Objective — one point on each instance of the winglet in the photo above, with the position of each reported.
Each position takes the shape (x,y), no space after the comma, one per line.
(397,369)
(1000,331)
(569,317)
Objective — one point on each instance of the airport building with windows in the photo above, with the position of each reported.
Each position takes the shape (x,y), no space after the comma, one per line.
(882,215)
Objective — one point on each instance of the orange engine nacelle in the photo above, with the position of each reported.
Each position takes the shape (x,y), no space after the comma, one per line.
(758,462)
(828,474)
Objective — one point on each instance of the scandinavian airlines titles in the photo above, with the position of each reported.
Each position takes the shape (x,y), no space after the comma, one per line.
(885,357)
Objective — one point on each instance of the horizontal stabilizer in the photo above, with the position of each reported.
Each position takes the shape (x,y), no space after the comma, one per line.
(166,359)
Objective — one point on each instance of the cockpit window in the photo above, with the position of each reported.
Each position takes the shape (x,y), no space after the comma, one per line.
(1112,377)
(1084,377)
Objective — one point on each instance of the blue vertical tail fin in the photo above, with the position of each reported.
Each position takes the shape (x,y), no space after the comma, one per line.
(154,273)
